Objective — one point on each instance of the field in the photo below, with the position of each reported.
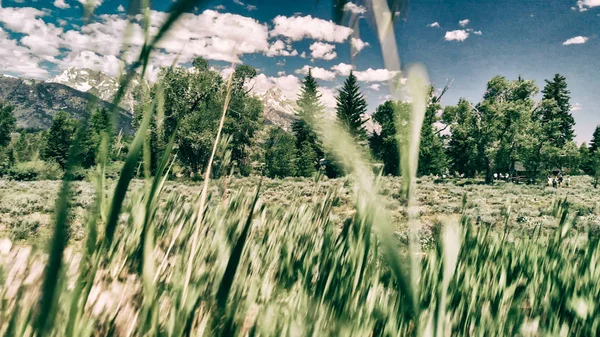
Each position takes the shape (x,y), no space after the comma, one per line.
(310,264)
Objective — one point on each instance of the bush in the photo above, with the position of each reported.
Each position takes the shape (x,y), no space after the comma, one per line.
(35,170)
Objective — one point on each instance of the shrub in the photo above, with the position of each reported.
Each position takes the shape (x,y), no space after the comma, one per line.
(23,229)
(35,170)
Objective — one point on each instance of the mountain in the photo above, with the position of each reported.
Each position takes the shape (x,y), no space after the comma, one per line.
(36,102)
(277,109)
(96,83)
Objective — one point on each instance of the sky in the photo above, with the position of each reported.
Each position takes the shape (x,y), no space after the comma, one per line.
(467,42)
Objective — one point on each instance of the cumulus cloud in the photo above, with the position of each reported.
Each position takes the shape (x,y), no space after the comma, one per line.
(584,5)
(464,23)
(43,39)
(576,40)
(61,4)
(456,35)
(279,48)
(434,25)
(120,8)
(288,84)
(375,87)
(354,8)
(318,73)
(300,27)
(374,75)
(328,98)
(108,64)
(18,60)
(576,107)
(325,51)
(358,45)
(477,32)
(94,3)
(342,69)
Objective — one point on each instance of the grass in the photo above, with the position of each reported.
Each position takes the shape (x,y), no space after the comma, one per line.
(362,256)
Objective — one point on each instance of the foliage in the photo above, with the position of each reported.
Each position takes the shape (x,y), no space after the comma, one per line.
(35,170)
(309,149)
(432,156)
(559,117)
(190,106)
(7,123)
(280,154)
(350,108)
(59,138)
(385,145)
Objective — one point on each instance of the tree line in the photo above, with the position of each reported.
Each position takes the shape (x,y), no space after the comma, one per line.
(508,126)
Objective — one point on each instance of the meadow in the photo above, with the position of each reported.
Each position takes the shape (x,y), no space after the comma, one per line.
(308,264)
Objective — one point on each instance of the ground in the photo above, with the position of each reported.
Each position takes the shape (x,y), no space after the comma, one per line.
(300,250)
(26,208)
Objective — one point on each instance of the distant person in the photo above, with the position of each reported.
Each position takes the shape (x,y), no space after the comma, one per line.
(549,181)
(495,176)
(560,180)
(554,183)
(568,181)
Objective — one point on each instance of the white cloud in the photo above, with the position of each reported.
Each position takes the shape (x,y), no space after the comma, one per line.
(61,4)
(288,84)
(464,22)
(94,3)
(303,55)
(576,107)
(43,39)
(374,75)
(18,60)
(281,73)
(477,32)
(325,51)
(358,45)
(353,8)
(300,27)
(456,35)
(328,98)
(576,40)
(584,5)
(375,87)
(278,48)
(434,25)
(108,64)
(251,7)
(120,8)
(342,69)
(318,73)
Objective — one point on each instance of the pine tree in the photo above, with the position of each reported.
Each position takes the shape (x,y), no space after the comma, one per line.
(280,155)
(562,118)
(7,123)
(351,105)
(595,143)
(432,159)
(309,109)
(59,138)
(306,158)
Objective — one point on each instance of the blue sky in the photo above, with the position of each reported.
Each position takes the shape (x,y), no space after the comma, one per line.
(531,38)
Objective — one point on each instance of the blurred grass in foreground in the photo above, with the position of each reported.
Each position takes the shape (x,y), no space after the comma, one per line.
(256,269)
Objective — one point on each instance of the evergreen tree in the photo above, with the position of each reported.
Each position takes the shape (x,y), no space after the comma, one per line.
(306,158)
(384,145)
(59,138)
(595,143)
(351,105)
(584,159)
(7,123)
(561,118)
(280,155)
(100,126)
(309,109)
(432,159)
